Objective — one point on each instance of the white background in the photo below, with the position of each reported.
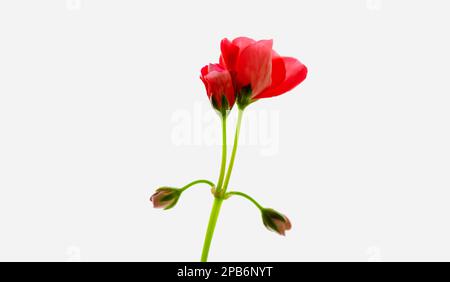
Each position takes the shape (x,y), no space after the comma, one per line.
(91,94)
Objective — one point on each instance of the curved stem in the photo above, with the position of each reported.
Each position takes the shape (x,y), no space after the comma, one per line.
(233,153)
(197,182)
(245,196)
(224,153)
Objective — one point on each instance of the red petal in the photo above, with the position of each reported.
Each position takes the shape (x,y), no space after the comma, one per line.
(218,82)
(204,72)
(295,73)
(278,71)
(215,67)
(254,66)
(229,54)
(242,42)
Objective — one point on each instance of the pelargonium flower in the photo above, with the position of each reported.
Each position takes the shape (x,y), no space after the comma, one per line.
(219,87)
(258,71)
(247,71)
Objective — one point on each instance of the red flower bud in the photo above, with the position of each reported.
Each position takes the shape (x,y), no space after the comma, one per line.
(219,87)
(275,221)
(165,197)
(258,71)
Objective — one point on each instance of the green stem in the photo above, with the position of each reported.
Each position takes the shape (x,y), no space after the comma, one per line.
(197,182)
(245,196)
(224,152)
(211,226)
(233,153)
(218,200)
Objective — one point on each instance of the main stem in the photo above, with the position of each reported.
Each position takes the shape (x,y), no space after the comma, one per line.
(211,226)
(221,189)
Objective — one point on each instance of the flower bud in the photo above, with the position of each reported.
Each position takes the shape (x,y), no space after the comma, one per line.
(275,221)
(165,197)
(219,87)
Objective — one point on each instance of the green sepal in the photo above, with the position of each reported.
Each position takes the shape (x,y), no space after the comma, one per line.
(175,194)
(225,106)
(244,97)
(173,204)
(268,215)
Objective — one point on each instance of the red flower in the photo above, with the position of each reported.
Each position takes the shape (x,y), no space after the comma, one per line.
(258,71)
(219,87)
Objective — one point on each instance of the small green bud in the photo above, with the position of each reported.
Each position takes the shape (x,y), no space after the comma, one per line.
(165,197)
(275,221)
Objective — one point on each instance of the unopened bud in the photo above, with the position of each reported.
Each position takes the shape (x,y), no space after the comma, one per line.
(275,221)
(165,197)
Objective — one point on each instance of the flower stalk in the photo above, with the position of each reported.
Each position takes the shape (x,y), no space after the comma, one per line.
(204,181)
(233,153)
(224,152)
(237,193)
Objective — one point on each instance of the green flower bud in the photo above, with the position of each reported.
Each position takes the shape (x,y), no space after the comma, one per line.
(275,221)
(165,197)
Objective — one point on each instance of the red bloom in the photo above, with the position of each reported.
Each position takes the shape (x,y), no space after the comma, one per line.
(219,86)
(257,70)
